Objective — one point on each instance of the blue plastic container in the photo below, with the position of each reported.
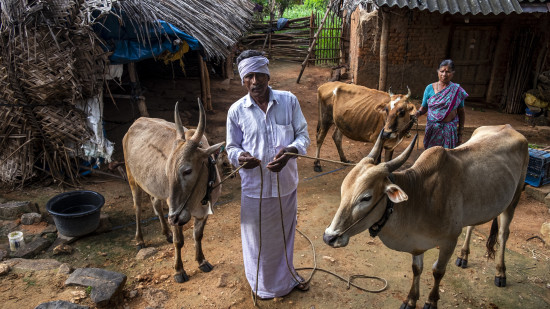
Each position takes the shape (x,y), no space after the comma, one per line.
(538,170)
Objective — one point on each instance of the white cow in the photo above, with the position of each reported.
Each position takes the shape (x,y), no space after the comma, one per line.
(172,164)
(444,191)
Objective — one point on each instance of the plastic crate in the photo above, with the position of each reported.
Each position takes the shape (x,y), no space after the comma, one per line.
(538,170)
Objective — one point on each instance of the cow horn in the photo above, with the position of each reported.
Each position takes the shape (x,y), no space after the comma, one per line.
(180,129)
(397,162)
(200,127)
(408,93)
(375,151)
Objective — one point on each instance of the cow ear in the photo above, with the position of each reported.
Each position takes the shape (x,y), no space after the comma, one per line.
(411,108)
(210,150)
(396,194)
(381,108)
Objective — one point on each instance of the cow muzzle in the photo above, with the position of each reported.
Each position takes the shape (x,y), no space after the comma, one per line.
(335,240)
(180,218)
(387,135)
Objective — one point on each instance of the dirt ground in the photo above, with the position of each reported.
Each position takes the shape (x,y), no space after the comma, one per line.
(150,283)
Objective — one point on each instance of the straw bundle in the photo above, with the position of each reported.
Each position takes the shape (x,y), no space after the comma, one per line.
(50,59)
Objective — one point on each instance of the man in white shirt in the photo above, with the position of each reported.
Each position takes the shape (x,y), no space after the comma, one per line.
(261,127)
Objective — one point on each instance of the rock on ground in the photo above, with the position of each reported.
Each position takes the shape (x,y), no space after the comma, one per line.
(60,304)
(156,298)
(146,253)
(31,249)
(106,285)
(4,269)
(33,265)
(13,210)
(64,269)
(30,218)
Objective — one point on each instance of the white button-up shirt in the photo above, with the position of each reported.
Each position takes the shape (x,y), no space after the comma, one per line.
(261,134)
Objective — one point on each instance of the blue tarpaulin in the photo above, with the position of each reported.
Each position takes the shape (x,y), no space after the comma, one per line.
(130,42)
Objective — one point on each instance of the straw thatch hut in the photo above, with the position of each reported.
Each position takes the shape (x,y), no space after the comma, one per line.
(500,47)
(55,58)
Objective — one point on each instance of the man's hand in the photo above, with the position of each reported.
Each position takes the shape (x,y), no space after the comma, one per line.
(281,159)
(248,160)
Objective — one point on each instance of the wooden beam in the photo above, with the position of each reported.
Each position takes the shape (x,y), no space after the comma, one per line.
(312,45)
(384,50)
(136,88)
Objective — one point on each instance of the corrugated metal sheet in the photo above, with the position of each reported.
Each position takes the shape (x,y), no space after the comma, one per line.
(458,6)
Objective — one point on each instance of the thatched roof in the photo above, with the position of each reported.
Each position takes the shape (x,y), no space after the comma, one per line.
(216,24)
(52,70)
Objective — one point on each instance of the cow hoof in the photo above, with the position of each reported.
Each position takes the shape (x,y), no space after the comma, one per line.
(206,267)
(500,281)
(140,246)
(406,306)
(181,278)
(429,306)
(461,262)
(317,168)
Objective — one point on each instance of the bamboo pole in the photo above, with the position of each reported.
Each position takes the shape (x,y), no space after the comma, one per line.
(208,101)
(203,81)
(230,74)
(313,44)
(311,24)
(138,98)
(271,7)
(384,51)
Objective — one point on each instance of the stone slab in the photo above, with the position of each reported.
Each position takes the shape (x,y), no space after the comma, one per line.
(6,227)
(31,249)
(106,285)
(539,193)
(60,304)
(13,210)
(33,265)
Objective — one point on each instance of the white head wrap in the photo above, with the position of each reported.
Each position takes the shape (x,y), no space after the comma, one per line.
(256,64)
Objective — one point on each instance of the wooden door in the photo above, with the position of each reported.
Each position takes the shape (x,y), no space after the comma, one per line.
(472,49)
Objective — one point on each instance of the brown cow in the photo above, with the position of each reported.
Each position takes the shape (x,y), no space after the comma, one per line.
(172,164)
(444,191)
(359,113)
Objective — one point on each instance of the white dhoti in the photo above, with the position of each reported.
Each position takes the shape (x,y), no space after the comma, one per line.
(274,277)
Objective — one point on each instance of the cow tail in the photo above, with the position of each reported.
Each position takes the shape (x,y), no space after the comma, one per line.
(492,240)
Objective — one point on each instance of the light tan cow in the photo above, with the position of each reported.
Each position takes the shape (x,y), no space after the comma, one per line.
(173,165)
(359,113)
(444,191)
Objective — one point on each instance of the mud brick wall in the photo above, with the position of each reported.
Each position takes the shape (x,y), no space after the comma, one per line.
(420,40)
(417,44)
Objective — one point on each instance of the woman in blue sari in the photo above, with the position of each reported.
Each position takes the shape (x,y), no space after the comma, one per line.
(444,103)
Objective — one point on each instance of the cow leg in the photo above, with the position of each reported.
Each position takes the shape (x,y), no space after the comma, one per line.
(137,194)
(388,154)
(462,259)
(198,230)
(445,253)
(157,207)
(414,293)
(337,137)
(322,129)
(504,220)
(180,276)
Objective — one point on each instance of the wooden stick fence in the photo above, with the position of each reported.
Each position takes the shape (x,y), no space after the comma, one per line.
(292,42)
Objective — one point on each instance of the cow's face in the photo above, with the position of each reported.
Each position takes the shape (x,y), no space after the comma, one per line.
(398,115)
(364,195)
(187,170)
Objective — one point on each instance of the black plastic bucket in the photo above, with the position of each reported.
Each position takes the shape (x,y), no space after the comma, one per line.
(76,213)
